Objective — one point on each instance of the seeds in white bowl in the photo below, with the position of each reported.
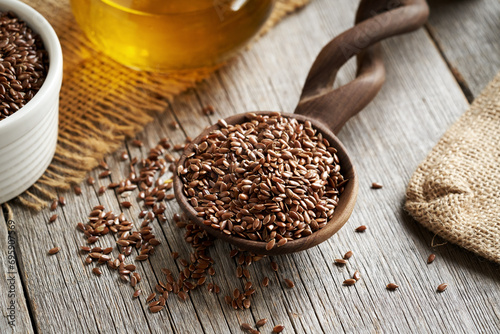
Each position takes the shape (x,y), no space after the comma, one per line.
(24,64)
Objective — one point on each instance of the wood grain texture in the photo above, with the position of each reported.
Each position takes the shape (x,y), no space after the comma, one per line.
(386,141)
(15,315)
(467,34)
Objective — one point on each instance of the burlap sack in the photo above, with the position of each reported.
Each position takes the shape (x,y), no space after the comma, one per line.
(455,192)
(103,102)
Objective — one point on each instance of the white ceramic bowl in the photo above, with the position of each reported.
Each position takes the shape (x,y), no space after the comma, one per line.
(28,137)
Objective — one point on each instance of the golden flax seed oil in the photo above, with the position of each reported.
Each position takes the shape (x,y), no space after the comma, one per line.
(165,35)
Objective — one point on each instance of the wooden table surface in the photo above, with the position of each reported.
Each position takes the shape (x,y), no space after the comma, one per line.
(432,77)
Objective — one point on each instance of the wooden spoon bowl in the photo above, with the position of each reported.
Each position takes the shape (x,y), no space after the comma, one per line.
(328,109)
(342,212)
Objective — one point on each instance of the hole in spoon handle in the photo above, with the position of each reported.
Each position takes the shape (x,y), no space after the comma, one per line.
(375,20)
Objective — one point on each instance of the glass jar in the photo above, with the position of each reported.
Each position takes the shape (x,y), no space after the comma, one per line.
(164,35)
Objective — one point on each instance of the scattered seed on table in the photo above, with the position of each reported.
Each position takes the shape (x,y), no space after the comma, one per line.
(142,257)
(92,239)
(361,228)
(392,286)
(246,327)
(137,143)
(442,287)
(289,283)
(182,296)
(278,329)
(246,273)
(90,180)
(103,164)
(348,255)
(62,200)
(340,262)
(261,322)
(101,190)
(349,281)
(78,190)
(104,174)
(126,204)
(174,124)
(265,281)
(124,156)
(136,293)
(54,250)
(150,297)
(208,110)
(356,275)
(156,309)
(376,185)
(85,249)
(54,204)
(53,218)
(97,271)
(274,266)
(253,331)
(431,258)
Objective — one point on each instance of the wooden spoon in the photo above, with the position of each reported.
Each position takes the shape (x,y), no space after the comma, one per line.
(328,109)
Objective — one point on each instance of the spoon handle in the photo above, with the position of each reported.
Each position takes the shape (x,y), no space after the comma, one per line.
(375,21)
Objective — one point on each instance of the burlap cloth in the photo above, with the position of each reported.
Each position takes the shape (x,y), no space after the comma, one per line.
(103,102)
(455,192)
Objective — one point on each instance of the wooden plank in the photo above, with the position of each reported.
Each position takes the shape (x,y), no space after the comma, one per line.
(15,314)
(467,34)
(387,141)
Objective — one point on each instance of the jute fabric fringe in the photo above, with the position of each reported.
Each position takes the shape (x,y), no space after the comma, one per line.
(103,102)
(455,192)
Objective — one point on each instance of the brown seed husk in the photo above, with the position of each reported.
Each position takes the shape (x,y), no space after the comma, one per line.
(54,250)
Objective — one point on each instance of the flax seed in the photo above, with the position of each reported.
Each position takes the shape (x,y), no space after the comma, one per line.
(54,204)
(278,329)
(102,190)
(361,228)
(246,327)
(77,190)
(90,180)
(53,218)
(376,185)
(340,262)
(349,281)
(104,174)
(261,322)
(431,258)
(97,271)
(156,309)
(182,296)
(137,143)
(356,275)
(442,287)
(348,255)
(136,293)
(265,282)
(274,266)
(54,250)
(392,286)
(289,283)
(151,297)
